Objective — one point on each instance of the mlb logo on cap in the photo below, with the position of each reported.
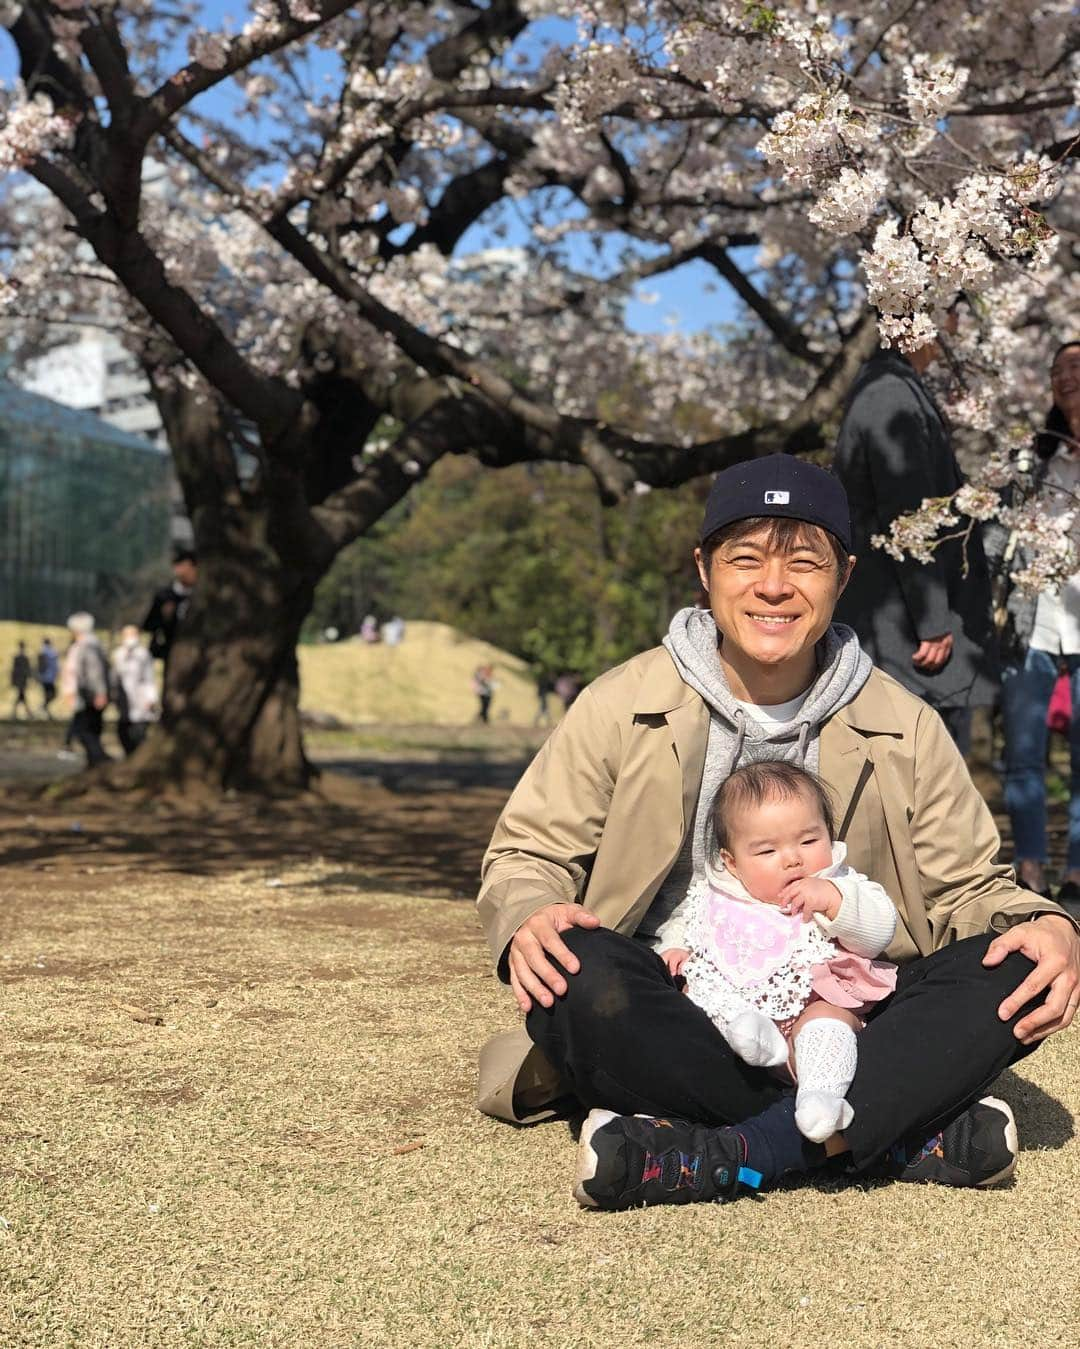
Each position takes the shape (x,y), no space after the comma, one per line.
(777,498)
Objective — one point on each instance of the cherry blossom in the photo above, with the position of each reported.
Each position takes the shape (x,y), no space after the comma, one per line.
(437,214)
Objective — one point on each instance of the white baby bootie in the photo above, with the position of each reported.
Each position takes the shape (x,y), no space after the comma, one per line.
(756,1040)
(825,1059)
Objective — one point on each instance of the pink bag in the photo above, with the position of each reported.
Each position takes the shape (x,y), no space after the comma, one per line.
(1059,713)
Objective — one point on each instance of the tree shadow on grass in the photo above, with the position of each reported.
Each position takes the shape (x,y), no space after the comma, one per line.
(412,841)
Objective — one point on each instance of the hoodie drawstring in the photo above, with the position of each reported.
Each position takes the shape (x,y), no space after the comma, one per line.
(739,718)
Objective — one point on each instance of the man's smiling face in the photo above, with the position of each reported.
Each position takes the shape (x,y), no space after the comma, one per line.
(773,600)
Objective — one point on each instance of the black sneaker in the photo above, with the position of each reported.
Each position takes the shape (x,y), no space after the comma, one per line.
(1068,896)
(976,1150)
(629,1161)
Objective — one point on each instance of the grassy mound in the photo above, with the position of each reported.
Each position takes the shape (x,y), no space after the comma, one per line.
(427,678)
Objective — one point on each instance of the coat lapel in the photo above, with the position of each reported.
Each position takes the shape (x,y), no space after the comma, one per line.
(690,734)
(845,765)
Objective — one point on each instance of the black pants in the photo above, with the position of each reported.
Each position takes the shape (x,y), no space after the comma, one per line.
(626,1038)
(958,723)
(131,734)
(86,729)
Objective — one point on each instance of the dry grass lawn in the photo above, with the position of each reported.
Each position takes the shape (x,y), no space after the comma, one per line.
(292,1157)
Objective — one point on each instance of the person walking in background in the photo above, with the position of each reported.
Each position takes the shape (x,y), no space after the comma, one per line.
(86,673)
(1040,635)
(67,699)
(170,604)
(567,688)
(48,668)
(134,689)
(20,677)
(544,689)
(927,624)
(483,685)
(393,631)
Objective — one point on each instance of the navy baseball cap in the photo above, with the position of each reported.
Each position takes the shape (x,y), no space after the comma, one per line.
(778,485)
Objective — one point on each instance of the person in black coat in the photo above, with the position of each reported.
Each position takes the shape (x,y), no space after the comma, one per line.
(929,625)
(170,604)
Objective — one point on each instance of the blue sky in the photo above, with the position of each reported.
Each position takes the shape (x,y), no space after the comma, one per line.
(687,300)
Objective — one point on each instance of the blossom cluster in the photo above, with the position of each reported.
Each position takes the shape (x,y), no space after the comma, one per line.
(1046,545)
(848,203)
(812,140)
(31,128)
(917,534)
(932,85)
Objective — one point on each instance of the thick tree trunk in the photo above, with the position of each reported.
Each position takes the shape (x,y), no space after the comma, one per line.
(231,706)
(231,716)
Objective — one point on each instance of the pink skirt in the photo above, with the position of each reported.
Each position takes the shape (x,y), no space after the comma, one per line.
(853,981)
(849,981)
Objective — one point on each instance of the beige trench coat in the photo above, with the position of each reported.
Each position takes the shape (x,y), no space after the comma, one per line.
(600,816)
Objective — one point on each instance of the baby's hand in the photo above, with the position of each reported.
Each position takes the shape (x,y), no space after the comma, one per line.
(809,895)
(675,959)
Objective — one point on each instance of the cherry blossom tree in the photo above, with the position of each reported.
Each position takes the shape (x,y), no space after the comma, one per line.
(281,220)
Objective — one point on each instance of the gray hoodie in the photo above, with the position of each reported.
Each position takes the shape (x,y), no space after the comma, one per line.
(735,738)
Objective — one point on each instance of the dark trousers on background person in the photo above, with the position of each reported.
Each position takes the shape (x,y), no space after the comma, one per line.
(131,734)
(86,729)
(625,1038)
(958,723)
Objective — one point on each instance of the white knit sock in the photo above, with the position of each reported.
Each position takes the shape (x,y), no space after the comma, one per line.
(756,1039)
(825,1059)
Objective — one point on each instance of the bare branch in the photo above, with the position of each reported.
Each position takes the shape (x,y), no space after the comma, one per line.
(781,327)
(502,20)
(100,40)
(1014,107)
(194,78)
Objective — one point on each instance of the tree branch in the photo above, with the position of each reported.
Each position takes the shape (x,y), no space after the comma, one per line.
(464,200)
(41,69)
(100,40)
(781,327)
(141,272)
(1013,107)
(454,420)
(194,79)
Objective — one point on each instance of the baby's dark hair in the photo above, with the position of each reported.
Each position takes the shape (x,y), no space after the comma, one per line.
(755,783)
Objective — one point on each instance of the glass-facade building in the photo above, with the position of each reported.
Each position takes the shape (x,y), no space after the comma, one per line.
(84,513)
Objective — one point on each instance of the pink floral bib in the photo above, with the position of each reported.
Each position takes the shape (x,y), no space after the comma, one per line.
(749,942)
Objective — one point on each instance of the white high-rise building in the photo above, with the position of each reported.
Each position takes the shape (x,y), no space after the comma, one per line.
(96,373)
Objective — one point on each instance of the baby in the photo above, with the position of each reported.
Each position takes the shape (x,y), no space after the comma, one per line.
(777,944)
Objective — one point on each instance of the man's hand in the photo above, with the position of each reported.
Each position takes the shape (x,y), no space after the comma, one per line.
(101,702)
(532,975)
(1053,944)
(675,958)
(809,895)
(932,654)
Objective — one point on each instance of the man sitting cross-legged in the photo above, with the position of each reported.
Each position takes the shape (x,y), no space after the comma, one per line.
(606,832)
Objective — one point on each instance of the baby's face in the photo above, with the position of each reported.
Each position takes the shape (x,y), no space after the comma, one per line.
(777,842)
